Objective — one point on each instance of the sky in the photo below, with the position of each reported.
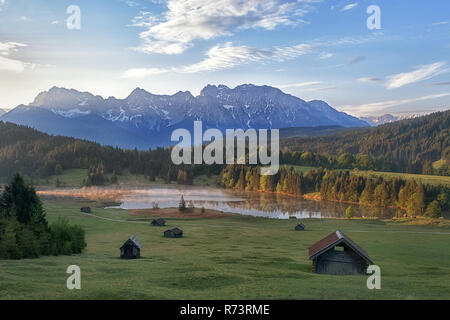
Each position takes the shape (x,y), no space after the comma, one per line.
(398,62)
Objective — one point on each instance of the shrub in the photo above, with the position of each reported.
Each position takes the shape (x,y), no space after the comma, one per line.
(350,212)
(182,204)
(24,232)
(191,206)
(433,210)
(66,239)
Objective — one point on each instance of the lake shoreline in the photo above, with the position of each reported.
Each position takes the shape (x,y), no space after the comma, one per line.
(256,203)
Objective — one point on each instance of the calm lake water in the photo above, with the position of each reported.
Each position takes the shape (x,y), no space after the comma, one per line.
(245,203)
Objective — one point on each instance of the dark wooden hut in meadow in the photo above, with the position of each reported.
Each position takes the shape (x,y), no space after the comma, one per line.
(159,222)
(173,233)
(300,227)
(338,254)
(131,249)
(86,209)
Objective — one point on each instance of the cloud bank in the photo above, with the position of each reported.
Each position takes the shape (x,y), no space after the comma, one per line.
(185,21)
(420,73)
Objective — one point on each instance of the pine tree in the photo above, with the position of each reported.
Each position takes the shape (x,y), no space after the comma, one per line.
(8,244)
(349,212)
(433,210)
(182,204)
(114,179)
(241,181)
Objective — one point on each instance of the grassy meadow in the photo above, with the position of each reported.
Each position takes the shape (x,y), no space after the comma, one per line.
(73,178)
(425,179)
(235,257)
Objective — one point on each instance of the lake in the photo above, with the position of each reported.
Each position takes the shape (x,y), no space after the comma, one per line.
(246,203)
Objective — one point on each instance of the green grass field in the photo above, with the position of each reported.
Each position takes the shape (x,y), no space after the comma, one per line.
(236,257)
(73,178)
(426,179)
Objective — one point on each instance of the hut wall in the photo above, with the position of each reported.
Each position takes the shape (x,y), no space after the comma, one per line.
(339,263)
(129,252)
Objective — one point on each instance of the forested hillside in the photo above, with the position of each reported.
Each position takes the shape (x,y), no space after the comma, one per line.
(409,195)
(420,145)
(424,140)
(37,154)
(34,153)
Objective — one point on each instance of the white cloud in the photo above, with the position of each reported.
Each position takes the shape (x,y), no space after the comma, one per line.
(379,106)
(130,3)
(325,55)
(7,64)
(369,80)
(440,23)
(349,6)
(307,86)
(421,73)
(188,20)
(6,47)
(226,56)
(299,85)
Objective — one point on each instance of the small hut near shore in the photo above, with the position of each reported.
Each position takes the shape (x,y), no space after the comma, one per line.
(300,227)
(173,233)
(86,209)
(337,254)
(131,249)
(159,222)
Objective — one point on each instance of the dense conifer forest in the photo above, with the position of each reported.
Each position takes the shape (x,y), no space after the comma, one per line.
(411,196)
(418,145)
(39,155)
(24,231)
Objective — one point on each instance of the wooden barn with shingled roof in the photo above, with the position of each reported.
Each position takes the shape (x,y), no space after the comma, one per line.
(131,249)
(159,222)
(338,254)
(173,233)
(299,227)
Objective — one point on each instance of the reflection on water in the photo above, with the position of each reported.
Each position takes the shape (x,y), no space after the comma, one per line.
(246,203)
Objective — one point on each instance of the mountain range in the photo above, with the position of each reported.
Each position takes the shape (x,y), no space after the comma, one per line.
(386,118)
(379,120)
(144,120)
(2,112)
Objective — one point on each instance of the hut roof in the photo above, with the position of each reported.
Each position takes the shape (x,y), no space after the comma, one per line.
(334,239)
(160,221)
(134,241)
(176,230)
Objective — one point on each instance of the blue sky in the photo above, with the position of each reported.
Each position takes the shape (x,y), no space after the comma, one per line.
(309,48)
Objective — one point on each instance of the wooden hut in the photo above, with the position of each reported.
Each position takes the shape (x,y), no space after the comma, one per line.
(131,249)
(159,222)
(86,209)
(300,227)
(338,254)
(173,233)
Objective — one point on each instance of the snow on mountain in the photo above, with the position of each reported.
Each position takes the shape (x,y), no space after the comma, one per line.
(245,106)
(72,113)
(379,120)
